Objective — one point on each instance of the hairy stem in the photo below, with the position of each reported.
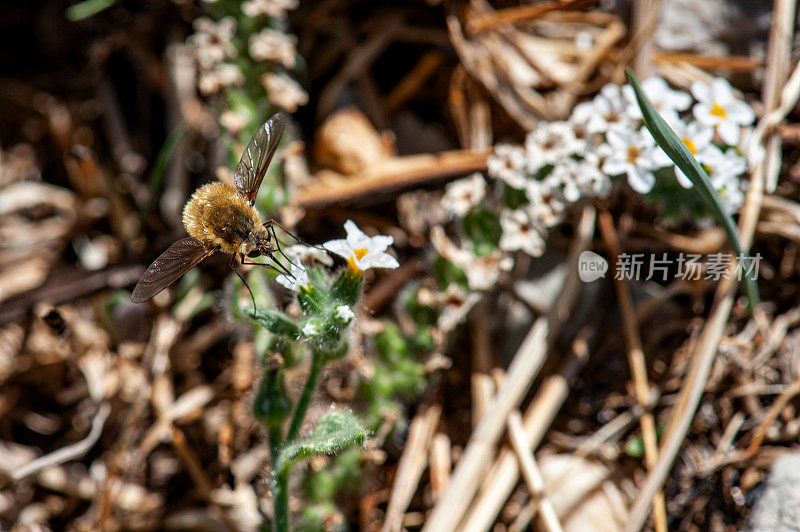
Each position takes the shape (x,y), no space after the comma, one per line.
(305,398)
(280,489)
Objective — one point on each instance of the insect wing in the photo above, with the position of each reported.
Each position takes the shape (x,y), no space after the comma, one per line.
(170,265)
(256,157)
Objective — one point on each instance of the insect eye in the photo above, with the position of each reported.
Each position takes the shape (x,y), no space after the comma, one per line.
(253,254)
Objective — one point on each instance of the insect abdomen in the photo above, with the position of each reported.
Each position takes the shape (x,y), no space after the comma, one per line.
(217,214)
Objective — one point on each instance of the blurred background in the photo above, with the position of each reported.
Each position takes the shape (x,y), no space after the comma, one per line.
(413,119)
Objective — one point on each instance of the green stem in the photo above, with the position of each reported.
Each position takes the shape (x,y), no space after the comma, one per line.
(280,489)
(305,398)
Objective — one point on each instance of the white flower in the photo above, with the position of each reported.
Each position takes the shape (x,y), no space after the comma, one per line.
(724,175)
(212,41)
(666,101)
(271,45)
(565,179)
(271,8)
(731,195)
(221,76)
(482,272)
(344,313)
(283,91)
(545,207)
(462,195)
(455,303)
(520,233)
(550,143)
(232,121)
(298,279)
(697,138)
(576,179)
(361,251)
(754,153)
(634,154)
(305,253)
(591,178)
(309,329)
(717,106)
(606,111)
(508,164)
(724,167)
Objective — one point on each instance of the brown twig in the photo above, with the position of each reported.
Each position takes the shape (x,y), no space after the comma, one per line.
(636,362)
(774,410)
(531,474)
(412,464)
(480,22)
(395,174)
(414,80)
(358,61)
(69,452)
(439,464)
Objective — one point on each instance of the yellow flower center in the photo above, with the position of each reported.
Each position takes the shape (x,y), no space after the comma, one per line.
(719,111)
(690,145)
(633,154)
(359,254)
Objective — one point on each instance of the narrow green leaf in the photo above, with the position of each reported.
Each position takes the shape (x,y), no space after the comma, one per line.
(275,322)
(163,158)
(674,147)
(88,8)
(334,432)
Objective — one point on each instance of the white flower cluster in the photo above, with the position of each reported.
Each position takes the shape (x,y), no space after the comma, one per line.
(559,165)
(565,161)
(275,46)
(211,44)
(270,8)
(214,56)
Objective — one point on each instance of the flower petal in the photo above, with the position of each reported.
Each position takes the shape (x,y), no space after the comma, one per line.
(355,236)
(702,112)
(615,165)
(739,112)
(384,260)
(642,181)
(340,247)
(701,92)
(721,91)
(684,181)
(729,132)
(380,243)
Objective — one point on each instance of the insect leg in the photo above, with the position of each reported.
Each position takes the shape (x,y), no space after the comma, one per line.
(273,222)
(275,237)
(230,265)
(280,268)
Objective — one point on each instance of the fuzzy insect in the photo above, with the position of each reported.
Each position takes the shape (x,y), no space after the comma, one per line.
(219,217)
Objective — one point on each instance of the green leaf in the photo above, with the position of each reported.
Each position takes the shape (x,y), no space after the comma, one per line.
(163,159)
(334,432)
(674,147)
(447,273)
(276,322)
(88,8)
(514,198)
(483,229)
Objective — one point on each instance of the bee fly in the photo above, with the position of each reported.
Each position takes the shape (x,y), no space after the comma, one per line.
(221,218)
